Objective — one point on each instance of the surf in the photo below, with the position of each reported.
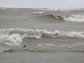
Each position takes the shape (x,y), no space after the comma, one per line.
(15,36)
(72,18)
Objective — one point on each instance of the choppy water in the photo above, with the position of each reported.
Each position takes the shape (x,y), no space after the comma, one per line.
(41,35)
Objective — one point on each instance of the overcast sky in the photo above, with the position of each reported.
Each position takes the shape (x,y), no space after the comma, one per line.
(42,3)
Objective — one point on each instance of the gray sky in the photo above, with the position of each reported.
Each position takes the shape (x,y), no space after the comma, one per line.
(42,3)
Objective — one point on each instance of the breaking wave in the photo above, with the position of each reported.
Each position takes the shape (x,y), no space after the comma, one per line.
(16,36)
(39,12)
(74,18)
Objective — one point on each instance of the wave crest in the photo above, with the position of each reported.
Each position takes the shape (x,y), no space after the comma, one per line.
(74,18)
(16,36)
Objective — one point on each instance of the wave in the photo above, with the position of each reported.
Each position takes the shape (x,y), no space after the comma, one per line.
(5,49)
(74,18)
(16,36)
(38,12)
(11,50)
(57,9)
(58,17)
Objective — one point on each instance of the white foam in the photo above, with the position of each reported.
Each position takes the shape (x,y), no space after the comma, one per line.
(38,12)
(63,9)
(16,36)
(44,45)
(13,39)
(75,18)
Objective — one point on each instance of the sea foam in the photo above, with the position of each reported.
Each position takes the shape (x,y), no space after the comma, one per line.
(16,36)
(71,17)
(75,18)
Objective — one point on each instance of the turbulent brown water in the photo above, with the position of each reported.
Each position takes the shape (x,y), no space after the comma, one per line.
(41,35)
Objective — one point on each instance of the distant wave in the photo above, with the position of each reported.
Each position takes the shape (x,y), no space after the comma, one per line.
(39,12)
(57,9)
(43,11)
(59,17)
(16,36)
(74,18)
